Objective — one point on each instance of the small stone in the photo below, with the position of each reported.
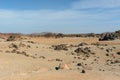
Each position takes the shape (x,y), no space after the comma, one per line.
(107,54)
(79,64)
(118,53)
(56,68)
(83,71)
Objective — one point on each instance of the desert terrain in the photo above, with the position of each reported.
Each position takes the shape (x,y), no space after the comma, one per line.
(68,58)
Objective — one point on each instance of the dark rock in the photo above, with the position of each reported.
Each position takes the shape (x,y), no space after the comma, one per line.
(107,50)
(79,50)
(79,64)
(13,46)
(93,53)
(107,54)
(79,57)
(82,44)
(57,68)
(58,60)
(96,44)
(61,47)
(83,71)
(114,47)
(59,35)
(118,53)
(43,57)
(28,46)
(107,36)
(31,42)
(83,51)
(11,38)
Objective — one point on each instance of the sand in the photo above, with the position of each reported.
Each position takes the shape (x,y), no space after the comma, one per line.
(36,59)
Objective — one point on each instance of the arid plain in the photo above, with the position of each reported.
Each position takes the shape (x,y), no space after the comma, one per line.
(68,58)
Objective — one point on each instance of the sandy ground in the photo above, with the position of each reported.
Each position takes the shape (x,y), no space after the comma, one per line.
(37,59)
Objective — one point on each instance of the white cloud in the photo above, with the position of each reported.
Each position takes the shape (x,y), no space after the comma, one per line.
(36,20)
(40,17)
(86,4)
(70,20)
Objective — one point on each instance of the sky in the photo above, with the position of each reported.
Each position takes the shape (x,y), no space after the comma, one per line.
(59,16)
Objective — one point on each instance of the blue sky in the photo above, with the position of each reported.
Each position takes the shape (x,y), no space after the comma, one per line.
(61,16)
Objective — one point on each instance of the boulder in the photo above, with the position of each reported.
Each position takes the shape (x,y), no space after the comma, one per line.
(107,36)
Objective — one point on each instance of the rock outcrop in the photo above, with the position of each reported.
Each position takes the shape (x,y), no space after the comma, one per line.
(107,36)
